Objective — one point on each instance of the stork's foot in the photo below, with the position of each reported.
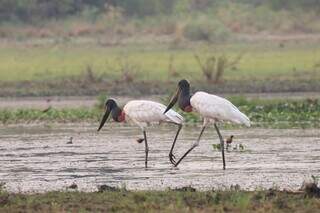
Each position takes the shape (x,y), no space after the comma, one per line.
(172,158)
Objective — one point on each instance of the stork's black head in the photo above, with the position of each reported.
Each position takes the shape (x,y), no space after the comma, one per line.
(111,104)
(183,84)
(182,96)
(111,107)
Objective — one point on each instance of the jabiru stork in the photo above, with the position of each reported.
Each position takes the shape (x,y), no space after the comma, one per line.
(212,108)
(142,112)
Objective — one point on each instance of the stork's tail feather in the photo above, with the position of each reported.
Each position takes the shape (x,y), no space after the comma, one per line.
(244,120)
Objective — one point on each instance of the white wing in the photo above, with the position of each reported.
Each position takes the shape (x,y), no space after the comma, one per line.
(215,107)
(150,111)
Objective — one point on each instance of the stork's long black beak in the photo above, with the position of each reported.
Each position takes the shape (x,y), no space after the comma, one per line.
(104,119)
(173,101)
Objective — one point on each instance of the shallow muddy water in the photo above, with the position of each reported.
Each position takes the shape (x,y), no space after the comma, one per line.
(38,158)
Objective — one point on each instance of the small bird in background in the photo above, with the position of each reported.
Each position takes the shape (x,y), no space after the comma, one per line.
(70,140)
(229,141)
(73,186)
(49,107)
(140,140)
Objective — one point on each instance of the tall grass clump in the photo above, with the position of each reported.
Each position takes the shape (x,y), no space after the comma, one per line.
(213,67)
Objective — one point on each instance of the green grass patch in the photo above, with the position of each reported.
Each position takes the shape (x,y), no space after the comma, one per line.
(8,116)
(160,201)
(262,113)
(151,62)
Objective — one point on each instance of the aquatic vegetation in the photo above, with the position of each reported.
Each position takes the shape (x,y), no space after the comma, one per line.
(216,146)
(53,115)
(262,113)
(238,147)
(276,113)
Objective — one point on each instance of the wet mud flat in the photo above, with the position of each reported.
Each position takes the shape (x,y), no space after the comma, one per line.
(37,158)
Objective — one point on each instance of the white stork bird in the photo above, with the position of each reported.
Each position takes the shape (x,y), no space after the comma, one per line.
(142,113)
(212,108)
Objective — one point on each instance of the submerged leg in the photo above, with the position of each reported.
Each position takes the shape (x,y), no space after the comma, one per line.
(146,148)
(192,147)
(221,145)
(171,156)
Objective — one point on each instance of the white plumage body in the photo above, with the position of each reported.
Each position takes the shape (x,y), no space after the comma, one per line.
(143,112)
(214,108)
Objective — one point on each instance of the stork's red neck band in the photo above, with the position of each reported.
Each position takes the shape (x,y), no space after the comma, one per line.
(188,108)
(122,117)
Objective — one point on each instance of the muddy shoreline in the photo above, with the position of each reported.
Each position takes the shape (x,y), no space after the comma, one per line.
(38,158)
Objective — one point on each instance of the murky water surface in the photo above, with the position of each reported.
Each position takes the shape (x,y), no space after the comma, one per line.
(38,158)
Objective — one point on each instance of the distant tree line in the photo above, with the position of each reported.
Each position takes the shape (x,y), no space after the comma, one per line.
(285,4)
(30,10)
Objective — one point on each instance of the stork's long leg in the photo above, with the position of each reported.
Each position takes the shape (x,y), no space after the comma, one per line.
(146,148)
(171,156)
(192,147)
(221,145)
